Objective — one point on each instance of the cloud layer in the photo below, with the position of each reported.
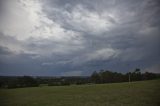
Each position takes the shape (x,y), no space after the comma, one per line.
(77,37)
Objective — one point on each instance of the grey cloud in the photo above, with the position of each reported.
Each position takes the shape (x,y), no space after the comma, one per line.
(118,35)
(4,51)
(124,35)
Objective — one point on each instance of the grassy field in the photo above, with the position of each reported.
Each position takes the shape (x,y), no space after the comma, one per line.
(143,93)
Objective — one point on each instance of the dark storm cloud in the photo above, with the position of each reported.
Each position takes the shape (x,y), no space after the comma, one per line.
(137,19)
(4,51)
(81,36)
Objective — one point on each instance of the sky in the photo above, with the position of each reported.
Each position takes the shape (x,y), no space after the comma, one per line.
(78,37)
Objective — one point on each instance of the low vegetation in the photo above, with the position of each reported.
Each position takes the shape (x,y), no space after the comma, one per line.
(99,77)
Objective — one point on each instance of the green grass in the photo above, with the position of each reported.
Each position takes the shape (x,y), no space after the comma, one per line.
(143,93)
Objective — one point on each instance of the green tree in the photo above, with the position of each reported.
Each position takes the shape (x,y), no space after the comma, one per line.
(95,77)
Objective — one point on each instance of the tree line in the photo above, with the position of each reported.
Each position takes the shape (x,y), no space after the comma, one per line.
(17,82)
(97,77)
(112,77)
